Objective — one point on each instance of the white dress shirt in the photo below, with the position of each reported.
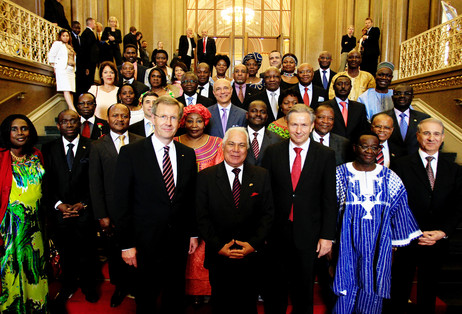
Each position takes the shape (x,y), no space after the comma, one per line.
(205,90)
(159,151)
(260,135)
(74,150)
(293,154)
(325,138)
(274,106)
(227,108)
(433,163)
(194,99)
(231,175)
(91,120)
(386,154)
(339,105)
(116,139)
(310,91)
(406,118)
(147,126)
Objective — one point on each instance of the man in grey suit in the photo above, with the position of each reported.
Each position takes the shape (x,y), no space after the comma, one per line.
(259,137)
(323,124)
(103,159)
(225,115)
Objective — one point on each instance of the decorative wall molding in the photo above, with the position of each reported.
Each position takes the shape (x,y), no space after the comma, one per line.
(433,85)
(10,73)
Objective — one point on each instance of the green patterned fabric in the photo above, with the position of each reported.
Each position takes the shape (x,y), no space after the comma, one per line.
(280,130)
(23,274)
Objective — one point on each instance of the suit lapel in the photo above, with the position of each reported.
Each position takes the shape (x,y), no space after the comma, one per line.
(285,163)
(412,128)
(338,116)
(419,168)
(266,100)
(109,145)
(217,120)
(223,183)
(246,186)
(81,150)
(180,166)
(310,163)
(231,118)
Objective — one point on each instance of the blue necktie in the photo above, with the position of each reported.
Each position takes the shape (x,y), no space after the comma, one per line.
(403,125)
(190,100)
(70,156)
(324,79)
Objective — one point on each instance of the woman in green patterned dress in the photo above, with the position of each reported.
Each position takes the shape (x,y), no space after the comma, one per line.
(24,284)
(287,99)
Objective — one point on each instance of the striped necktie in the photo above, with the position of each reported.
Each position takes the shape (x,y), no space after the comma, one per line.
(380,158)
(168,173)
(236,187)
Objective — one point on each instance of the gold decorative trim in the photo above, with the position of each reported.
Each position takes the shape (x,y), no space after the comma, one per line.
(446,83)
(21,75)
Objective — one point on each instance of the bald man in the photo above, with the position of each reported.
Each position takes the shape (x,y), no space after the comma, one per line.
(323,76)
(308,93)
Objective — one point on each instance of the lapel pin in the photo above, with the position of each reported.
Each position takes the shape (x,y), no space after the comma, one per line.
(415,120)
(84,147)
(251,184)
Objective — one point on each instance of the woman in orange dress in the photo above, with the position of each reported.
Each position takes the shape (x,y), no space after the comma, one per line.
(208,153)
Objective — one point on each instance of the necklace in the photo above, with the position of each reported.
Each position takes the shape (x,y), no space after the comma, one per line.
(287,74)
(16,158)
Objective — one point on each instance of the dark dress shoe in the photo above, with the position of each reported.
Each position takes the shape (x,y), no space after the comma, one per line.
(118,296)
(91,296)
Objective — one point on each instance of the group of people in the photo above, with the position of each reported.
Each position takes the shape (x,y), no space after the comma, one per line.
(233,188)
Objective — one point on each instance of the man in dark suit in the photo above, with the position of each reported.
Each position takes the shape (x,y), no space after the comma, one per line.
(260,138)
(154,217)
(405,121)
(103,159)
(225,115)
(206,49)
(234,214)
(68,200)
(127,72)
(189,84)
(323,125)
(350,116)
(54,12)
(145,127)
(87,57)
(270,94)
(130,55)
(303,183)
(308,93)
(91,126)
(434,187)
(186,48)
(324,79)
(205,88)
(371,50)
(76,36)
(382,125)
(130,38)
(241,91)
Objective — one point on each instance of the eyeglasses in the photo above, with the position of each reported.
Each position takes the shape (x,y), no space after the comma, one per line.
(165,118)
(402,93)
(189,81)
(380,127)
(365,148)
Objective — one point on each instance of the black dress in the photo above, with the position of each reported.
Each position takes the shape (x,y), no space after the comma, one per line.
(114,51)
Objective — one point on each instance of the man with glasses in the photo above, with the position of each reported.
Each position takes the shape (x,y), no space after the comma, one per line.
(378,99)
(154,213)
(225,115)
(373,218)
(189,83)
(91,126)
(405,121)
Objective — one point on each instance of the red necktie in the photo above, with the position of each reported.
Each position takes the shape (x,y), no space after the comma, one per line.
(167,172)
(321,140)
(86,129)
(255,147)
(306,98)
(380,158)
(344,111)
(240,95)
(204,42)
(236,187)
(295,176)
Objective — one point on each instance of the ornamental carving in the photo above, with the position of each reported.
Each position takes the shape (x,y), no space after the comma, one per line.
(446,83)
(21,75)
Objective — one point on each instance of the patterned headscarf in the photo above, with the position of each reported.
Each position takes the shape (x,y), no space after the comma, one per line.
(253,55)
(199,109)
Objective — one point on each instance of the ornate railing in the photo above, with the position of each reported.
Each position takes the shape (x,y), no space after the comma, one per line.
(24,34)
(436,49)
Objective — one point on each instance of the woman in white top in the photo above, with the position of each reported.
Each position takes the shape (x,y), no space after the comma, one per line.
(62,57)
(105,94)
(161,63)
(127,95)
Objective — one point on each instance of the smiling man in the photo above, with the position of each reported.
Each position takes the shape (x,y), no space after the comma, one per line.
(153,198)
(225,115)
(303,182)
(189,84)
(127,72)
(91,126)
(378,99)
(374,217)
(234,214)
(307,92)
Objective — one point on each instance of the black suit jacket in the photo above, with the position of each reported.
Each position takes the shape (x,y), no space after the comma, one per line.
(75,43)
(138,128)
(269,138)
(249,93)
(319,95)
(210,51)
(69,187)
(183,46)
(139,87)
(356,122)
(103,160)
(145,217)
(218,219)
(341,146)
(263,96)
(314,199)
(440,209)
(371,44)
(206,102)
(54,12)
(140,74)
(100,128)
(410,144)
(130,39)
(89,51)
(317,79)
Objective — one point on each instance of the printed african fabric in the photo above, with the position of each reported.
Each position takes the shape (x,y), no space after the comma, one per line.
(23,275)
(373,217)
(280,130)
